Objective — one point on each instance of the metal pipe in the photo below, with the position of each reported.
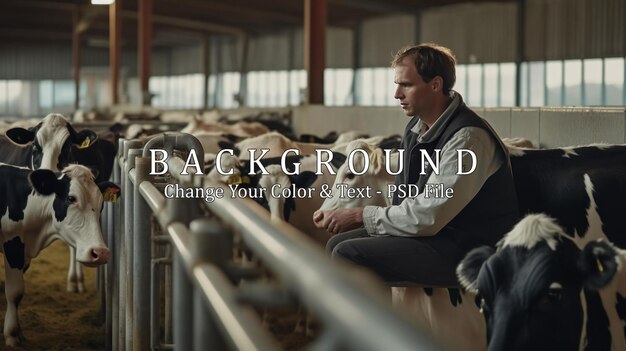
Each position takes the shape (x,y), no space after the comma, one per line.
(132,150)
(141,259)
(179,141)
(212,243)
(309,269)
(155,297)
(183,307)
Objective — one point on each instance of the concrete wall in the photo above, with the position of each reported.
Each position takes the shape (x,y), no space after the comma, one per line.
(547,127)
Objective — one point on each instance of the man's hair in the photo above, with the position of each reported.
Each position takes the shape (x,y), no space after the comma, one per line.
(431,60)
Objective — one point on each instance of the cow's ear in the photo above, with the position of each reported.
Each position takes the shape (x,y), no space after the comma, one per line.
(304,179)
(44,181)
(95,171)
(467,271)
(84,139)
(110,191)
(20,136)
(338,159)
(598,264)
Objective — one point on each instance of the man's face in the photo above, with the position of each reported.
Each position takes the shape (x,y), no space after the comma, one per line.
(414,94)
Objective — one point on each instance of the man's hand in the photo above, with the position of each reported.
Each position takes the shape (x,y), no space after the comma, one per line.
(339,220)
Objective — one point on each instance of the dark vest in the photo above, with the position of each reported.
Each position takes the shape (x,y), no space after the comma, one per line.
(492,212)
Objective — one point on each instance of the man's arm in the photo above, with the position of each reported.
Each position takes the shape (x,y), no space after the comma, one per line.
(425,216)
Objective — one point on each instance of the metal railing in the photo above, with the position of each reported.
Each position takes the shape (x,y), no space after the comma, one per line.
(213,308)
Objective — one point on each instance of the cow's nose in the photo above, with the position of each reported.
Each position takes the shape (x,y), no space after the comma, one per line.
(100,255)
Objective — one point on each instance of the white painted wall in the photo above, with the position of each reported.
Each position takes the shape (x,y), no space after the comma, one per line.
(548,127)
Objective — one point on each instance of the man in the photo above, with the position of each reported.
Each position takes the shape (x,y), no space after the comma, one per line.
(422,239)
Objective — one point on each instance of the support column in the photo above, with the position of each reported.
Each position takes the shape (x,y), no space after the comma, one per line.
(315,13)
(145,48)
(76,57)
(206,68)
(115,35)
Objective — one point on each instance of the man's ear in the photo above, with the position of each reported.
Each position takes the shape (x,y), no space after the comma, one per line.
(437,84)
(44,181)
(20,136)
(467,271)
(598,264)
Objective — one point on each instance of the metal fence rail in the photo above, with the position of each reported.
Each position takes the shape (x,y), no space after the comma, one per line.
(212,308)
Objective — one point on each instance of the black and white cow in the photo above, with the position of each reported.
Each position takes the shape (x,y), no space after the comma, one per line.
(581,187)
(540,291)
(38,207)
(53,144)
(48,145)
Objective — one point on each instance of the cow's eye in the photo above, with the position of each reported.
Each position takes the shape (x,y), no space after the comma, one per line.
(71,199)
(552,296)
(555,294)
(350,176)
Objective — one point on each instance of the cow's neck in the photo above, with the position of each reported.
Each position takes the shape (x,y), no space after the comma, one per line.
(39,231)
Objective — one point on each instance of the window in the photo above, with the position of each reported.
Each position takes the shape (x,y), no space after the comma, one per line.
(593,82)
(537,86)
(461,80)
(554,83)
(474,85)
(492,82)
(366,84)
(297,86)
(614,81)
(573,82)
(507,84)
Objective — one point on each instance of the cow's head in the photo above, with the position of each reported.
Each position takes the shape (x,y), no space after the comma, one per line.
(76,209)
(51,141)
(531,287)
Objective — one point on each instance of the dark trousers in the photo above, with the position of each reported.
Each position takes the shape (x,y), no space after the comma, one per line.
(427,261)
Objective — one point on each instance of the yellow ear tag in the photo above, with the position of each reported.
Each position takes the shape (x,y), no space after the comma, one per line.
(600,266)
(85,143)
(234,179)
(110,194)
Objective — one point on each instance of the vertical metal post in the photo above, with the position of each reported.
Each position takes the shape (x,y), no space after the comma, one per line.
(210,243)
(141,259)
(131,149)
(155,298)
(183,305)
(119,178)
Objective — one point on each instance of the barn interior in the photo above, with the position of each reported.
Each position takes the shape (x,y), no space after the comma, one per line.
(552,72)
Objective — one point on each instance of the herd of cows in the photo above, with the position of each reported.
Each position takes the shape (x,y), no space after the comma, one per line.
(555,281)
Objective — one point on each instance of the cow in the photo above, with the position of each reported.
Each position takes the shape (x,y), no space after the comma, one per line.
(46,145)
(53,144)
(519,142)
(241,129)
(539,291)
(38,207)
